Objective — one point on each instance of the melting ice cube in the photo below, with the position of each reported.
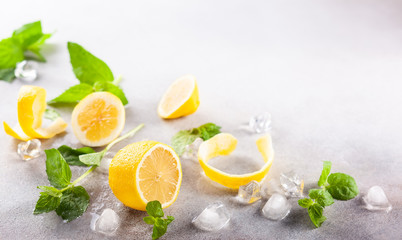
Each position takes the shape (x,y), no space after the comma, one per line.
(26,71)
(249,193)
(191,150)
(212,218)
(377,200)
(105,163)
(291,184)
(108,222)
(260,123)
(277,207)
(29,150)
(269,187)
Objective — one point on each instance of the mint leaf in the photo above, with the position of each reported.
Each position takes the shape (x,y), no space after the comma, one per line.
(169,219)
(28,34)
(315,212)
(58,171)
(88,68)
(149,220)
(208,130)
(51,191)
(342,186)
(74,203)
(154,209)
(7,74)
(305,202)
(73,95)
(181,139)
(36,46)
(51,114)
(185,137)
(324,174)
(92,159)
(110,87)
(72,155)
(321,196)
(159,229)
(46,203)
(11,53)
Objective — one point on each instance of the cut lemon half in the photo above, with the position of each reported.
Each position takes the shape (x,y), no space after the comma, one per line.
(31,107)
(98,119)
(224,144)
(145,171)
(181,98)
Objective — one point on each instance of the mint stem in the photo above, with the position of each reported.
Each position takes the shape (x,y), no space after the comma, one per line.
(117,80)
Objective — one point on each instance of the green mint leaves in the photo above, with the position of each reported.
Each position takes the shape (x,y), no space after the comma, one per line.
(25,41)
(70,201)
(337,186)
(94,76)
(155,212)
(185,137)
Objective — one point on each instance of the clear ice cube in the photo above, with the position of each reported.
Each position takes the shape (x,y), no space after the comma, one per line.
(291,184)
(277,207)
(26,71)
(260,123)
(191,150)
(105,163)
(377,200)
(249,193)
(29,150)
(269,187)
(108,222)
(213,218)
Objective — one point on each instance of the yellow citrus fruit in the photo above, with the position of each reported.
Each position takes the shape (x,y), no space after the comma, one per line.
(224,144)
(180,99)
(31,107)
(98,119)
(145,171)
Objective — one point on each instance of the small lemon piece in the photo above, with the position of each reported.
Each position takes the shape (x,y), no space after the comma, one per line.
(145,171)
(181,98)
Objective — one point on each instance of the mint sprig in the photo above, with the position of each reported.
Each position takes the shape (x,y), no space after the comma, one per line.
(337,186)
(25,43)
(155,218)
(68,200)
(185,137)
(94,76)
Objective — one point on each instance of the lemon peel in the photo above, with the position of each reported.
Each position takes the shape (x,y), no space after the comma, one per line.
(225,144)
(31,107)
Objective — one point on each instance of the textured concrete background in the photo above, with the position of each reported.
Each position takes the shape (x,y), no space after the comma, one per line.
(328,71)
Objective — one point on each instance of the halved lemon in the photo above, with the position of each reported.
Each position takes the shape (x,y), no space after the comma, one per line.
(145,171)
(224,144)
(98,119)
(181,98)
(31,107)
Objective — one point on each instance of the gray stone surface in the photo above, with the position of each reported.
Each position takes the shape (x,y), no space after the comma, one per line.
(329,72)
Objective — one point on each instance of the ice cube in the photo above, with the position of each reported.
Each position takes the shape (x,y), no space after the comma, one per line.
(191,150)
(29,150)
(213,218)
(260,123)
(26,71)
(277,207)
(105,163)
(377,200)
(291,184)
(108,222)
(269,187)
(249,193)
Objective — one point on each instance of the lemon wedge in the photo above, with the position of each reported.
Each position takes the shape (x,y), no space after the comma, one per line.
(31,107)
(224,144)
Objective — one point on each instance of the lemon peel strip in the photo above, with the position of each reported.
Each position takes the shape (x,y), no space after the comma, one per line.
(31,107)
(224,144)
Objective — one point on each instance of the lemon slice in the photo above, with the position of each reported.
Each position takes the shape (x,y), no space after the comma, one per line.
(98,119)
(224,144)
(181,98)
(145,171)
(31,107)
